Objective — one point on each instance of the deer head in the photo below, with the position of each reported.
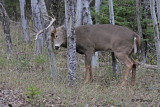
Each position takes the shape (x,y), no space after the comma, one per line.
(58,35)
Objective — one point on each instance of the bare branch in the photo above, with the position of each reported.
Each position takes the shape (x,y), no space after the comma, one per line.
(41,31)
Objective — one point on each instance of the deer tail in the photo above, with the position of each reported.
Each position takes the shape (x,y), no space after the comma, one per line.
(136,42)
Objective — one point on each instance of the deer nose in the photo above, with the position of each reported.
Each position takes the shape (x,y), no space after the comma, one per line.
(56,47)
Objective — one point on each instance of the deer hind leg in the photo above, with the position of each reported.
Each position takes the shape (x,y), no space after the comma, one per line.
(88,74)
(128,63)
(133,71)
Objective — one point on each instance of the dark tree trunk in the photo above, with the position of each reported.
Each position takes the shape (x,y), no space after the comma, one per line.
(5,24)
(114,61)
(138,4)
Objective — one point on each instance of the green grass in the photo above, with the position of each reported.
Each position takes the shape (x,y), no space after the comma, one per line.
(26,69)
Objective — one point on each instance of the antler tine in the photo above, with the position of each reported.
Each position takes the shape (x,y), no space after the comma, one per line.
(41,31)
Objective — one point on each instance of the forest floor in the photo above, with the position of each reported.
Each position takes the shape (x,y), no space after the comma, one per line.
(25,80)
(99,93)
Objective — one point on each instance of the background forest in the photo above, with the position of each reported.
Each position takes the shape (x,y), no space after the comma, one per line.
(27,79)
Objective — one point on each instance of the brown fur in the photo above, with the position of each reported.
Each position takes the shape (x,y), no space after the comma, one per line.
(92,38)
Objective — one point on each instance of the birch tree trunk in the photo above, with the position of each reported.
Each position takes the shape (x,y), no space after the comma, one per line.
(5,24)
(86,15)
(52,59)
(78,13)
(36,14)
(24,22)
(86,19)
(156,31)
(97,7)
(158,11)
(143,55)
(114,61)
(71,39)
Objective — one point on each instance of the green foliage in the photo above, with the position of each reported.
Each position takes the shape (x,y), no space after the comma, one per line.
(125,15)
(124,10)
(33,94)
(103,16)
(12,8)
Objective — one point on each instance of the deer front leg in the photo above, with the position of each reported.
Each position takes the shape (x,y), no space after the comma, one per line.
(88,74)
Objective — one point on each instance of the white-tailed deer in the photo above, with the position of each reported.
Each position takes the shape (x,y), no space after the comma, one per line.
(92,38)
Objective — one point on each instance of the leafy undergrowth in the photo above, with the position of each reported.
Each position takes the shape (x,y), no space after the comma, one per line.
(25,81)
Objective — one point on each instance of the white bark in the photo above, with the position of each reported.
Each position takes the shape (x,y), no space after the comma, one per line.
(24,22)
(111,12)
(156,31)
(5,24)
(71,40)
(158,11)
(97,5)
(86,15)
(36,14)
(78,13)
(52,59)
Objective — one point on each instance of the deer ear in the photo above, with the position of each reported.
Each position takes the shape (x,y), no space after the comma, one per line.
(53,31)
(53,34)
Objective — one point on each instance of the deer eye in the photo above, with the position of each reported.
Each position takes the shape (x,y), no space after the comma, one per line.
(56,36)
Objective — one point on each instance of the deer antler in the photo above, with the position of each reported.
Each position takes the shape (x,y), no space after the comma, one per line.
(41,31)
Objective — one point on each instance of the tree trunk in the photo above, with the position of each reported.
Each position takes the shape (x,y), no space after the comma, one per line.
(158,11)
(97,7)
(5,24)
(156,31)
(143,55)
(86,19)
(78,13)
(52,59)
(24,22)
(86,15)
(71,40)
(111,12)
(114,61)
(36,14)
